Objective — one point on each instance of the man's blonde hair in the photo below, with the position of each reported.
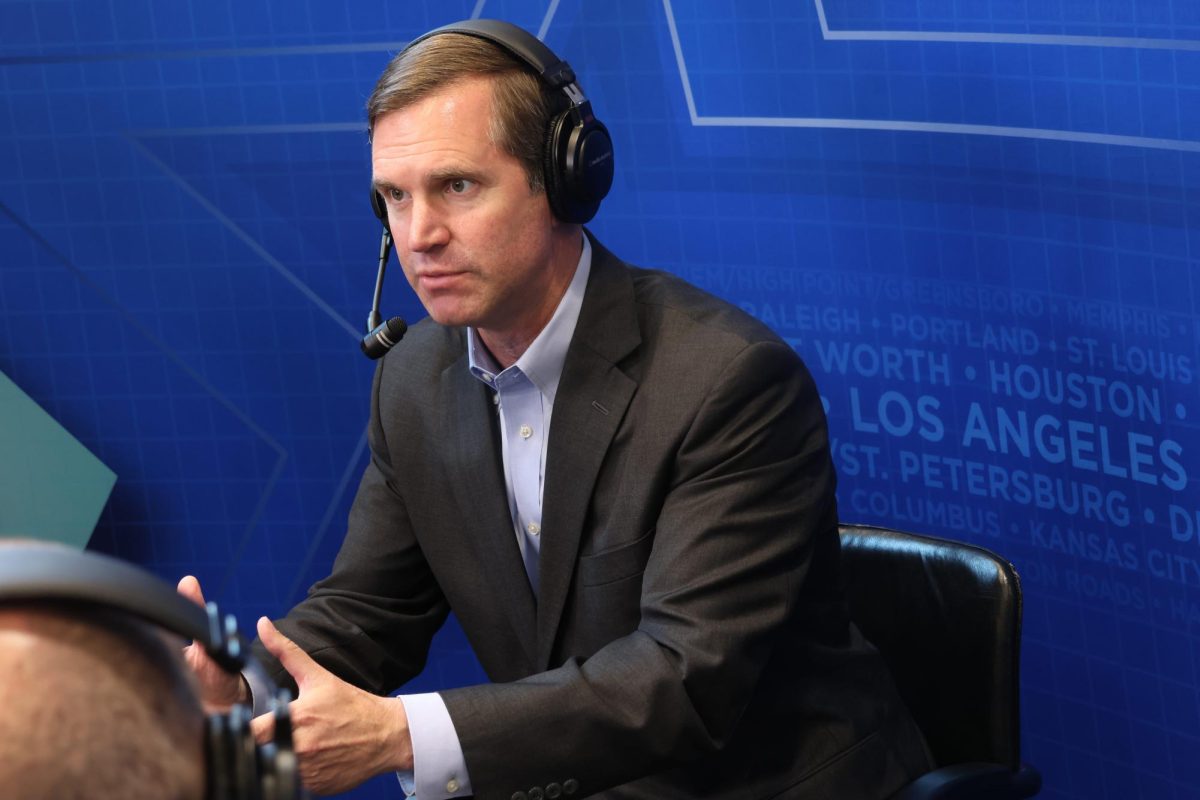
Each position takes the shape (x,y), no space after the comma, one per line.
(522,105)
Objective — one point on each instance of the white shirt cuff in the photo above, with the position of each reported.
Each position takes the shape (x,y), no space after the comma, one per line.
(439,770)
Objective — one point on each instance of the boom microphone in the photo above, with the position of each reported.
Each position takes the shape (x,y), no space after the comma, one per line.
(381,336)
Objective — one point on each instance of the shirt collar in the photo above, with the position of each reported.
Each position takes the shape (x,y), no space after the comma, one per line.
(542,362)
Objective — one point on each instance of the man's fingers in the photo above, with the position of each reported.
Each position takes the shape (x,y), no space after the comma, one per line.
(297,662)
(218,689)
(189,587)
(263,727)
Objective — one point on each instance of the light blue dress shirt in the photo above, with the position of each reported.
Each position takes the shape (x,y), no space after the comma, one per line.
(524,398)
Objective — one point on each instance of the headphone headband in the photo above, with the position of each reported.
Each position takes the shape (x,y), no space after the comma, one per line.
(37,572)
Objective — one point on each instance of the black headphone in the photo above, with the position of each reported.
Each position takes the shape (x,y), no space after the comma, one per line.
(238,768)
(577,155)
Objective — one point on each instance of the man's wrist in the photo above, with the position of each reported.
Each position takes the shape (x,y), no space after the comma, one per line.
(398,741)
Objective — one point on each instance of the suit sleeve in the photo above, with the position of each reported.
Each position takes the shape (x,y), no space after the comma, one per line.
(751,489)
(370,622)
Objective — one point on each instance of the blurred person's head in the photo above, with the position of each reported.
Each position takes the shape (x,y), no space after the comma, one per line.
(95,704)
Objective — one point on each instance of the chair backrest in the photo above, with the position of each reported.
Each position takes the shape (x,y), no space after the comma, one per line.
(947,618)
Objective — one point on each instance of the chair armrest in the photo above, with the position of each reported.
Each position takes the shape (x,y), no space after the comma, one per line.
(974,782)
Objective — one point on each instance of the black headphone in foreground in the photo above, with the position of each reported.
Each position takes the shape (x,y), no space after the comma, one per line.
(238,768)
(577,155)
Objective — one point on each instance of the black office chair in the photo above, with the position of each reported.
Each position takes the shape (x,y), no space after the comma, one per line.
(947,618)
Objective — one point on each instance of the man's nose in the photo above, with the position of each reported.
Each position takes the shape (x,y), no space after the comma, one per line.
(427,229)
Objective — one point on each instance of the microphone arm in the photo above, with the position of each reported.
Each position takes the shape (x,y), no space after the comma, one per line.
(381,336)
(385,247)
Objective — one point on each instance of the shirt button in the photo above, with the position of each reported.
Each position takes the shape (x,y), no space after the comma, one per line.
(526,431)
(452,786)
(533,528)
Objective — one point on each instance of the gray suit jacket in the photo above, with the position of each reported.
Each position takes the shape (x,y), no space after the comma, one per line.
(690,639)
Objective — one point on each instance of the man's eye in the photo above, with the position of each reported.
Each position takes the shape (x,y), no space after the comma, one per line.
(460,185)
(396,195)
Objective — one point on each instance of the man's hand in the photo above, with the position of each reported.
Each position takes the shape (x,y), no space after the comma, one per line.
(218,689)
(341,734)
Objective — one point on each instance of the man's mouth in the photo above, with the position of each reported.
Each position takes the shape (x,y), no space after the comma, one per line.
(440,278)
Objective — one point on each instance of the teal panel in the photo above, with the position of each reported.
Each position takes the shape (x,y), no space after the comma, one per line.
(51,486)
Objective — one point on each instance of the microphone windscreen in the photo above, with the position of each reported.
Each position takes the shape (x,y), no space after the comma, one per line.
(383,338)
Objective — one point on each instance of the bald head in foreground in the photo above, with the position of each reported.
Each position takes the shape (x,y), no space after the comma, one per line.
(95,704)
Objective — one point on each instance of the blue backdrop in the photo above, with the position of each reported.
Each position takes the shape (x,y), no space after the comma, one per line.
(977,220)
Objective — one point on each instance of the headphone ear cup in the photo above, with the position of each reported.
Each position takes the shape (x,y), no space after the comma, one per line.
(380,208)
(233,756)
(552,175)
(245,753)
(217,752)
(277,760)
(578,164)
(589,169)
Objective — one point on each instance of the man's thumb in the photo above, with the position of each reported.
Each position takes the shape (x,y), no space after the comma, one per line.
(189,587)
(297,662)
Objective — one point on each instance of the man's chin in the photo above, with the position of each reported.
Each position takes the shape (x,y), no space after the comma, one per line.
(450,317)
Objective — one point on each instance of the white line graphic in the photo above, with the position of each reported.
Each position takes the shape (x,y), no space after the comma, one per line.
(1143,43)
(1045,134)
(546,20)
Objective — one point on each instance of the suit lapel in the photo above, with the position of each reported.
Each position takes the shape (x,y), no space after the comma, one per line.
(592,397)
(477,478)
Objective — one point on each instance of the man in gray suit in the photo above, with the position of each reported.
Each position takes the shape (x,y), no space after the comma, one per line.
(620,485)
